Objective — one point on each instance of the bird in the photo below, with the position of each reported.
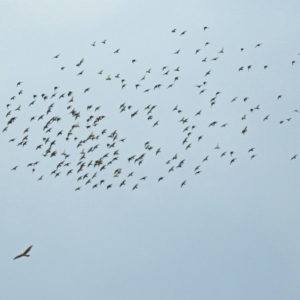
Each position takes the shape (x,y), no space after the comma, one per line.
(24,254)
(233,160)
(223,154)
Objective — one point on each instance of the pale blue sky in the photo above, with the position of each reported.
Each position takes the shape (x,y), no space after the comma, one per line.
(232,231)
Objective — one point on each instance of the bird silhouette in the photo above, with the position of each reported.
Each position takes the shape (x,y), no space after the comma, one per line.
(24,254)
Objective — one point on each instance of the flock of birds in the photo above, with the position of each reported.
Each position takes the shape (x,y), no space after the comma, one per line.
(75,143)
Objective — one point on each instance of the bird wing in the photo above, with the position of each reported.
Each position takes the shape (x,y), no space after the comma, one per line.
(27,250)
(18,256)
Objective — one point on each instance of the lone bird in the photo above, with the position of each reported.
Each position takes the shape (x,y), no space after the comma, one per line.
(25,253)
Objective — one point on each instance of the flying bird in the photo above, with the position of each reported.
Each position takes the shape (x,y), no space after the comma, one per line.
(24,254)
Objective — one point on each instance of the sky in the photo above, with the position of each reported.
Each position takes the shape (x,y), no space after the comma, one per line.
(231,232)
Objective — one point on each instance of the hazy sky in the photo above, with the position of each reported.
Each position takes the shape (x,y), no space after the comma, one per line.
(232,231)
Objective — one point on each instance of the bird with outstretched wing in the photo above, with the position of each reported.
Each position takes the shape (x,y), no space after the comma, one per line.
(25,253)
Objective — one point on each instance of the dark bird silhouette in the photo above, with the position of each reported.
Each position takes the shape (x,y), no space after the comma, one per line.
(223,154)
(233,160)
(24,254)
